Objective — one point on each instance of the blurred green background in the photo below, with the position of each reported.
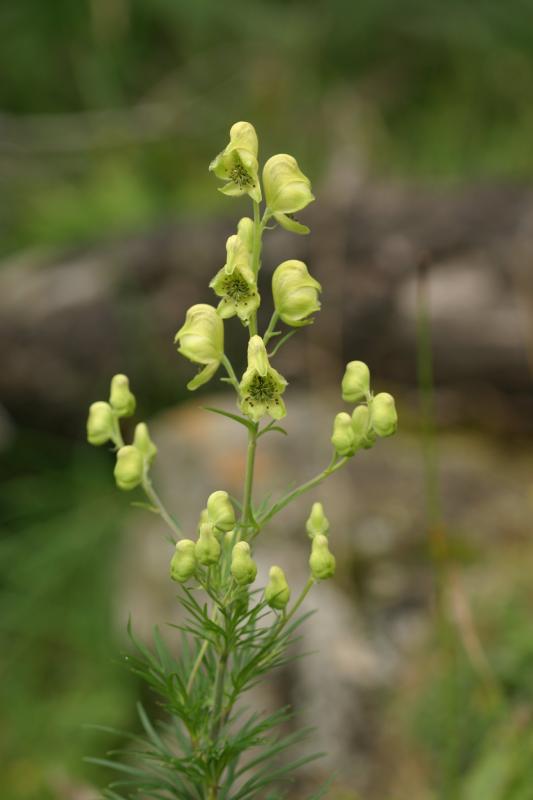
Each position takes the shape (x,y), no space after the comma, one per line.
(110,111)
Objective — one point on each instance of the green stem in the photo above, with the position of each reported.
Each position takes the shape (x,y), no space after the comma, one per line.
(284,620)
(258,232)
(117,433)
(218,696)
(333,466)
(231,372)
(158,503)
(271,325)
(246,516)
(256,259)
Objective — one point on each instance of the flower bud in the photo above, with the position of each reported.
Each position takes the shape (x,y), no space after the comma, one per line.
(201,340)
(129,468)
(204,517)
(384,416)
(356,382)
(220,511)
(183,563)
(363,433)
(120,397)
(257,356)
(143,443)
(245,232)
(295,293)
(237,163)
(287,190)
(321,561)
(317,523)
(207,548)
(277,592)
(343,439)
(100,423)
(243,567)
(229,538)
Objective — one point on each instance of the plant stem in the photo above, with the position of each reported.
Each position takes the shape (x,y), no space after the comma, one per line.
(271,325)
(305,487)
(231,372)
(258,232)
(158,503)
(246,516)
(256,259)
(284,620)
(218,695)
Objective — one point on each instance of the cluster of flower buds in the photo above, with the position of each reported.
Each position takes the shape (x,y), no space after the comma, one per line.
(321,561)
(375,415)
(133,460)
(216,519)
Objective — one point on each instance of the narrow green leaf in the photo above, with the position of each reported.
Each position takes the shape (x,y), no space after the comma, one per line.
(234,417)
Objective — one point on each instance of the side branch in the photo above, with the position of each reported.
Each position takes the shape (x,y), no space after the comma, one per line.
(333,466)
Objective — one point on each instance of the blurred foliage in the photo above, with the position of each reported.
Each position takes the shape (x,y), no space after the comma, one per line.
(112,109)
(58,651)
(481,744)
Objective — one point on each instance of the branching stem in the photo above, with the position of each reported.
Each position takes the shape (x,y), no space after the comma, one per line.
(271,326)
(231,372)
(158,503)
(333,466)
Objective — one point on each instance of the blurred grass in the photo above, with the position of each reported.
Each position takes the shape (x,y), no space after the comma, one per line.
(59,653)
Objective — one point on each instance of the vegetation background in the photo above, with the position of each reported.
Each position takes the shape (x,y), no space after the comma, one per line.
(110,111)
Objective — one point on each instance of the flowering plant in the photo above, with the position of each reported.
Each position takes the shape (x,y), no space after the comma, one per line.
(209,747)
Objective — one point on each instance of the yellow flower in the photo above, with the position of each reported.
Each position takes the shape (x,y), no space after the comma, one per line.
(237,163)
(287,190)
(235,283)
(295,293)
(201,340)
(261,386)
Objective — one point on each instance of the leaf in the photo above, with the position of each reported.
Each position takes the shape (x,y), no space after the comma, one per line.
(235,417)
(271,427)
